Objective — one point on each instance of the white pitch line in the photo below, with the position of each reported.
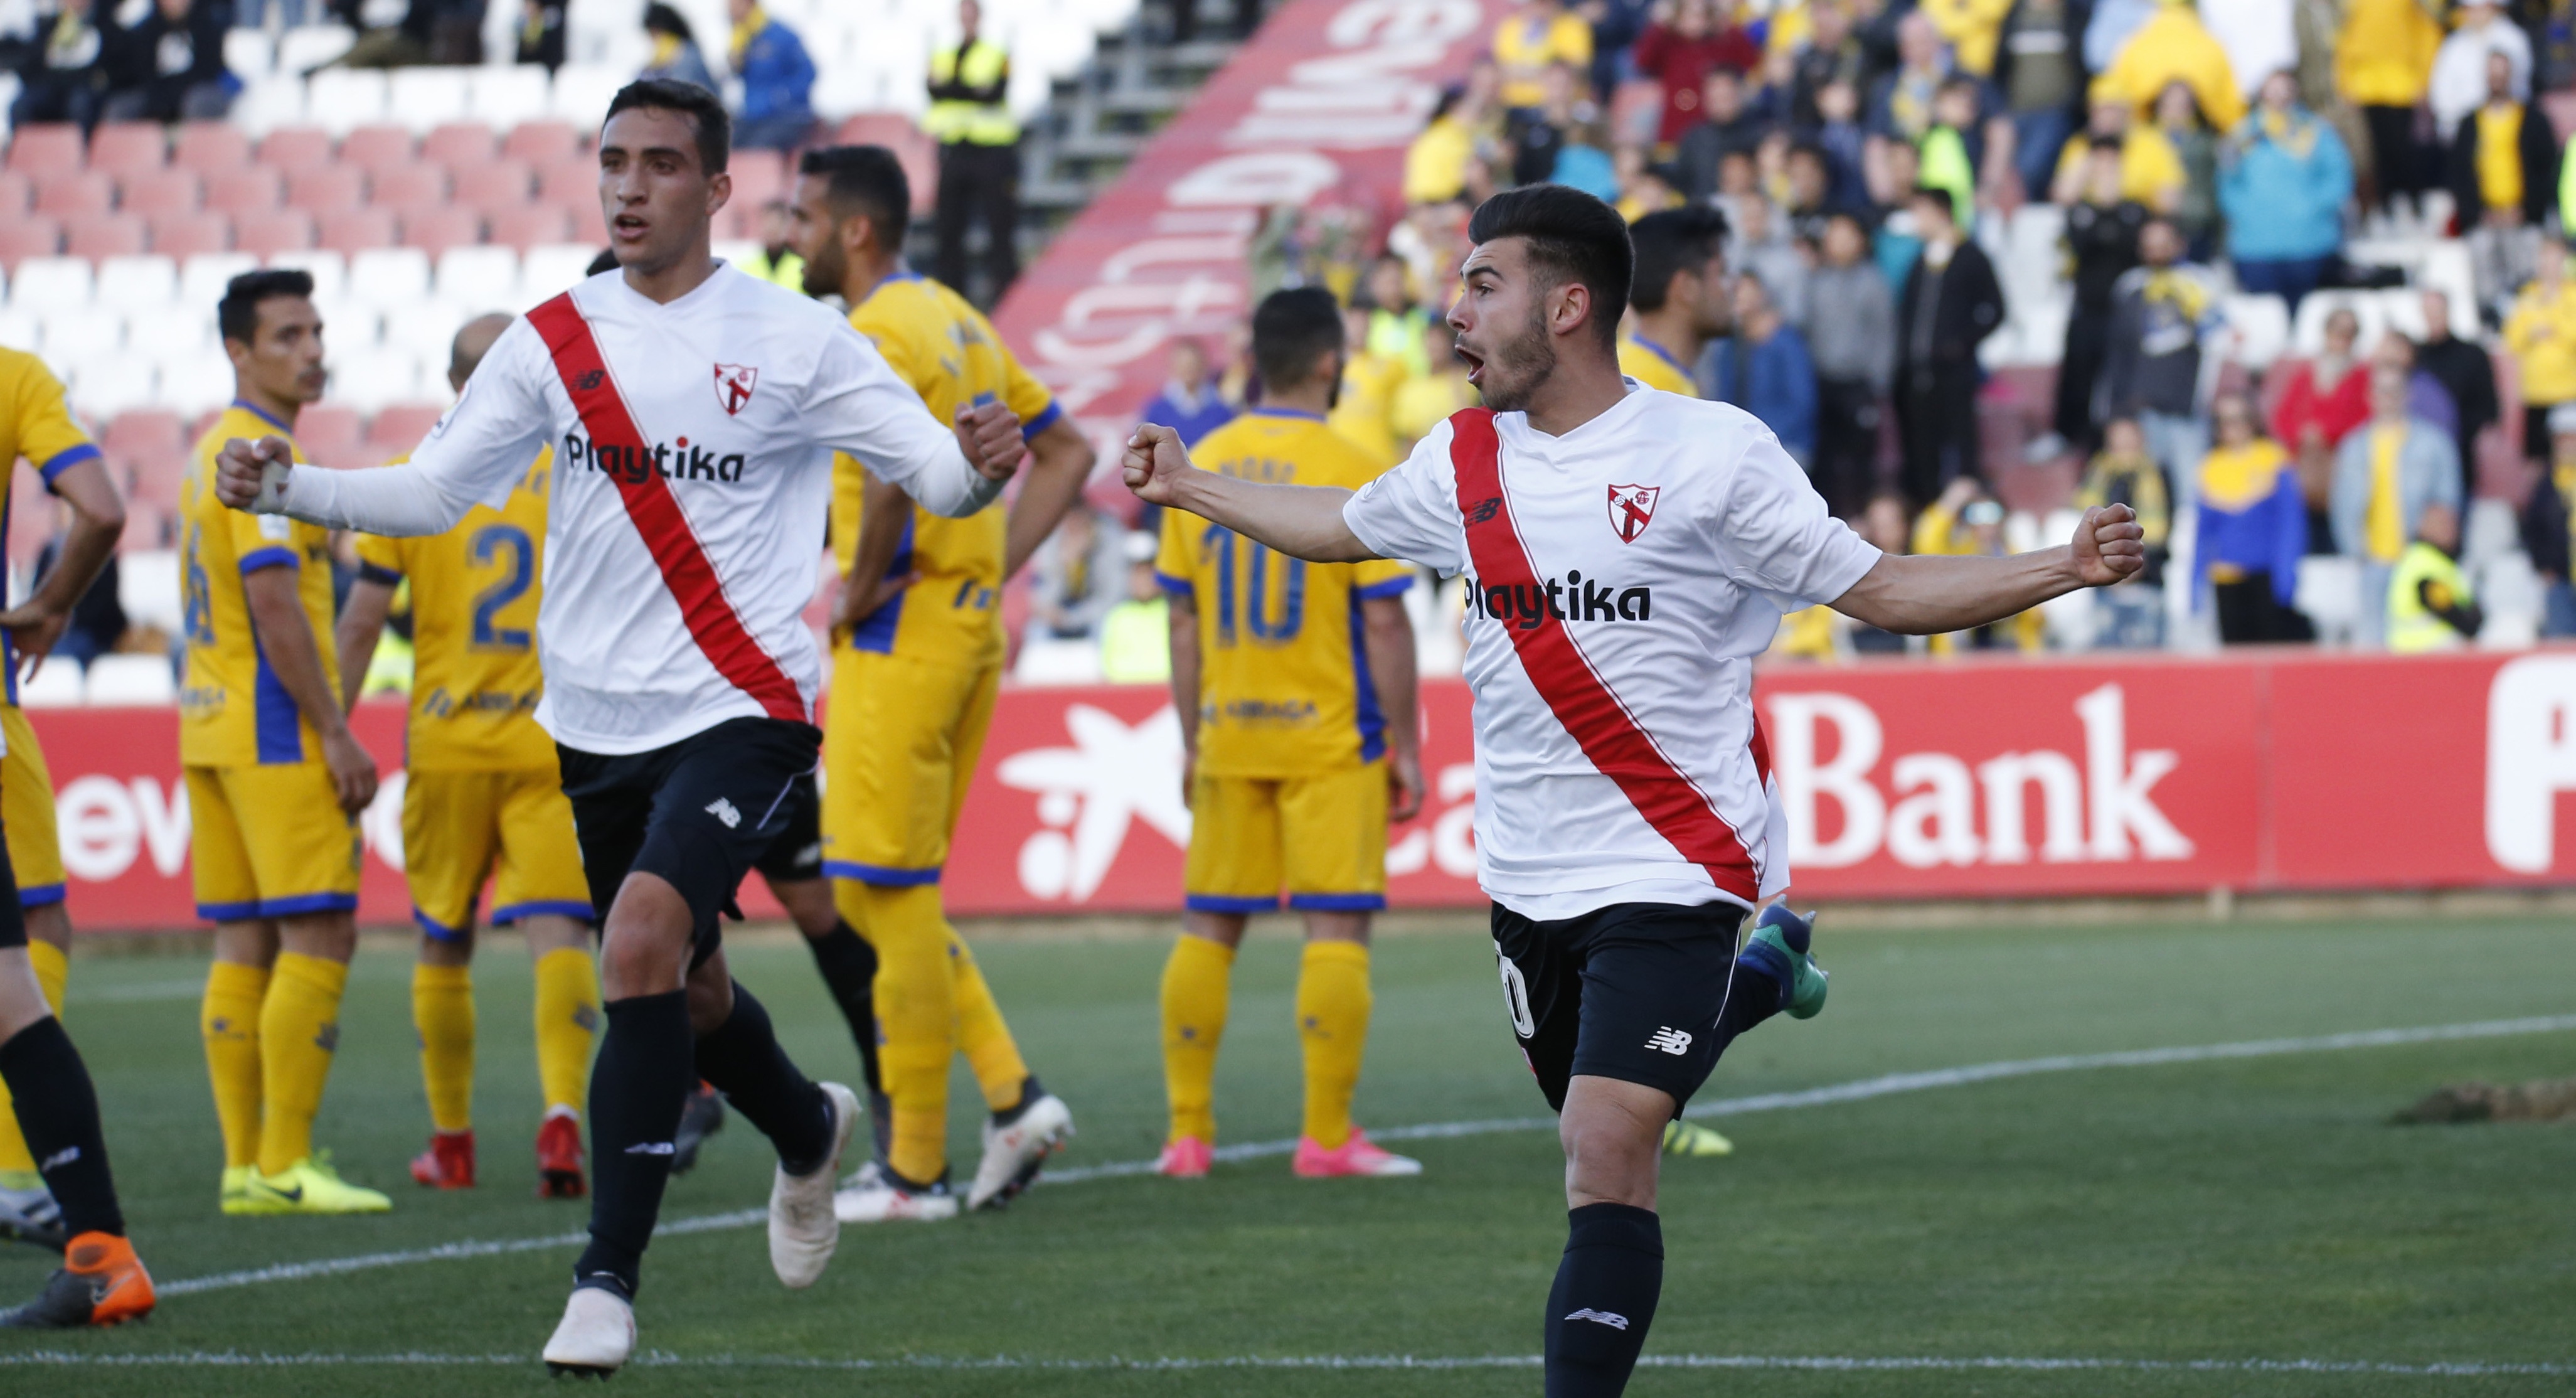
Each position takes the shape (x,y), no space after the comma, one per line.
(1840,1363)
(1864,1089)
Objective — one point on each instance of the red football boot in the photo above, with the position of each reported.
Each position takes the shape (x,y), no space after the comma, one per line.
(559,1173)
(448,1163)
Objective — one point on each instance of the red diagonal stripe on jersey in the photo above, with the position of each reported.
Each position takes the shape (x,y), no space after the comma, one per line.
(1565,679)
(710,615)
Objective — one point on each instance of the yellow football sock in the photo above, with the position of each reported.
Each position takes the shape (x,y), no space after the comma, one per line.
(567,1024)
(52,970)
(1332,1028)
(1197,980)
(980,1033)
(916,1008)
(442,1009)
(299,1028)
(230,1020)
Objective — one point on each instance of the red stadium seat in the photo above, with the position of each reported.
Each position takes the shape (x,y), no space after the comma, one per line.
(17,194)
(326,189)
(398,429)
(542,143)
(211,145)
(459,144)
(375,147)
(912,146)
(329,433)
(149,445)
(758,177)
(31,235)
(569,183)
(125,146)
(250,189)
(356,230)
(44,150)
(527,225)
(104,235)
(75,194)
(268,232)
(404,188)
(491,185)
(186,235)
(436,230)
(295,148)
(150,193)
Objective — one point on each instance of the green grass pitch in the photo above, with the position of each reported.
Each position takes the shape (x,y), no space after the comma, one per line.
(2252,1209)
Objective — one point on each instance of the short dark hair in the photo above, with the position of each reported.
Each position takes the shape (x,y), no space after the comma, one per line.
(1673,240)
(660,18)
(1949,200)
(1572,236)
(1290,329)
(237,315)
(869,178)
(705,110)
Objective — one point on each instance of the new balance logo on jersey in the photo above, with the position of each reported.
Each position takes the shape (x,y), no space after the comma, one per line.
(590,379)
(651,1148)
(1669,1040)
(636,465)
(1526,605)
(1614,1321)
(1485,509)
(723,810)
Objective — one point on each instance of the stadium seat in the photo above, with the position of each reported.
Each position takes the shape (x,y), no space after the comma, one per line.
(210,145)
(247,189)
(266,233)
(145,434)
(307,46)
(267,104)
(147,193)
(24,236)
(377,147)
(547,269)
(104,235)
(329,270)
(461,145)
(531,224)
(353,231)
(331,433)
(202,277)
(435,230)
(341,100)
(389,278)
(295,148)
(22,330)
(147,583)
(130,679)
(368,379)
(44,283)
(581,93)
(2309,338)
(484,276)
(503,97)
(902,135)
(407,188)
(110,385)
(399,428)
(542,143)
(426,331)
(123,147)
(199,383)
(326,189)
(249,54)
(17,194)
(136,285)
(75,194)
(82,334)
(50,149)
(171,332)
(425,97)
(571,184)
(186,235)
(758,177)
(56,683)
(493,185)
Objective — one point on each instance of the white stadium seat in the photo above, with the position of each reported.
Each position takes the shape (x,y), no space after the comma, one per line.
(147,586)
(55,685)
(581,94)
(198,383)
(340,100)
(171,333)
(503,97)
(130,679)
(2310,336)
(389,277)
(307,46)
(426,330)
(202,278)
(348,324)
(486,275)
(43,283)
(102,388)
(421,98)
(368,379)
(83,334)
(249,53)
(551,267)
(269,103)
(329,270)
(2261,326)
(136,283)
(22,330)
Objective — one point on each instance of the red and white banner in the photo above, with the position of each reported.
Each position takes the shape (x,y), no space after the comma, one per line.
(1316,110)
(2276,770)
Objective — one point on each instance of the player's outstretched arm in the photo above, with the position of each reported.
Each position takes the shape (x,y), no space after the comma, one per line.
(1302,521)
(1922,595)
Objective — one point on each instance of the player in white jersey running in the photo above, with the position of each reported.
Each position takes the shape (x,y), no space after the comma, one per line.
(1628,553)
(694,411)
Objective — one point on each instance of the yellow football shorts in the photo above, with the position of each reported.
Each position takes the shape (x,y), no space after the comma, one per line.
(270,841)
(27,813)
(900,743)
(512,827)
(1323,837)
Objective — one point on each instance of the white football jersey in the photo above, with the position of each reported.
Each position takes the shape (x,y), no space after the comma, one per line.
(1621,579)
(692,477)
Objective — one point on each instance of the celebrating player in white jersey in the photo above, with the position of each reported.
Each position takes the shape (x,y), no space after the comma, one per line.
(693,411)
(1629,553)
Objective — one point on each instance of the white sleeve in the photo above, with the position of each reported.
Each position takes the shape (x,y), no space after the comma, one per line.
(476,454)
(855,404)
(1776,535)
(1411,512)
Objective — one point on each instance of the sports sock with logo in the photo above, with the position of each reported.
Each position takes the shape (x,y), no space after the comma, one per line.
(53,971)
(299,1031)
(981,1033)
(442,1010)
(849,969)
(741,1057)
(567,1024)
(1197,978)
(645,1073)
(1604,1298)
(1332,1030)
(916,1007)
(58,1111)
(229,1018)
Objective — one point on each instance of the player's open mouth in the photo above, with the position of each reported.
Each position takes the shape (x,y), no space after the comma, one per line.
(628,226)
(1475,365)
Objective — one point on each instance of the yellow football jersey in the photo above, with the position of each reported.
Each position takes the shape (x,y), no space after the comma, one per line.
(474,592)
(935,341)
(33,424)
(1649,364)
(1284,688)
(233,710)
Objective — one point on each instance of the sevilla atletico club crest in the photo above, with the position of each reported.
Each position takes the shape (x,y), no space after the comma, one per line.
(1632,508)
(734,384)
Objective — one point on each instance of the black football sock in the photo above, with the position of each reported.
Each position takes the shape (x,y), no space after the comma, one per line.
(1030,1091)
(58,1114)
(1603,1300)
(742,1058)
(1752,996)
(638,1089)
(849,967)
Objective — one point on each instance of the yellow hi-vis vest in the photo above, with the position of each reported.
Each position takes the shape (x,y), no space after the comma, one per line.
(2414,628)
(975,123)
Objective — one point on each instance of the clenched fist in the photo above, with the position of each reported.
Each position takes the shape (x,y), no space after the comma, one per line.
(989,434)
(1154,463)
(244,469)
(2109,545)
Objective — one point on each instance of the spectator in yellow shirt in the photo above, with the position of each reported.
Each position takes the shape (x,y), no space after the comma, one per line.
(1532,39)
(2151,171)
(2383,63)
(2176,47)
(1362,412)
(1427,399)
(2541,336)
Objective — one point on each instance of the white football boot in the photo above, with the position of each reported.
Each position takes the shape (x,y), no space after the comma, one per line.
(1014,1154)
(879,1199)
(803,1230)
(596,1336)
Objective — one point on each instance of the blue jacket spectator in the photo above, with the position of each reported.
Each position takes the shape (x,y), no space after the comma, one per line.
(1189,403)
(1767,371)
(777,80)
(2283,178)
(2253,530)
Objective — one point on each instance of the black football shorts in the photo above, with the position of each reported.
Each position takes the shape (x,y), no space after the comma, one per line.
(1631,991)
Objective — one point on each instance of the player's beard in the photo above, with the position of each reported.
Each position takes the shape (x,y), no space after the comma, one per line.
(824,271)
(1519,366)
